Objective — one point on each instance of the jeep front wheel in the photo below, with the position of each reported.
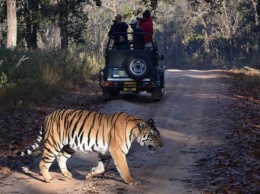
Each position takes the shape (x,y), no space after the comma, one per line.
(138,67)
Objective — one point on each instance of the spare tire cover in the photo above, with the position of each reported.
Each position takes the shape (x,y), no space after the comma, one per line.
(138,67)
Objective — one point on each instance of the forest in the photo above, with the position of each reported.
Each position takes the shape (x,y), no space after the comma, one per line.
(46,42)
(50,56)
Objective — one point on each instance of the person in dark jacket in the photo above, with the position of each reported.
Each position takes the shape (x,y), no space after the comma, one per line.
(146,24)
(123,43)
(117,27)
(138,36)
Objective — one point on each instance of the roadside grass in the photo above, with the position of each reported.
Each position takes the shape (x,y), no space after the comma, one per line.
(250,75)
(245,87)
(33,76)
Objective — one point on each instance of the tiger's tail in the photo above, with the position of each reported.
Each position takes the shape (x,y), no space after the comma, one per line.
(14,144)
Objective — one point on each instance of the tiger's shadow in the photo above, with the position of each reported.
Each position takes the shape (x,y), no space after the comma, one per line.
(79,171)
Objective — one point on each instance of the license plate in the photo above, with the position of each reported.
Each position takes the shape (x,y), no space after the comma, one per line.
(130,86)
(119,73)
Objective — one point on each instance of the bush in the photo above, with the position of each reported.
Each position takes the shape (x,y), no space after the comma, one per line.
(33,75)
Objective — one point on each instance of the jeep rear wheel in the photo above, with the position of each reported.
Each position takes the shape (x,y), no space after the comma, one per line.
(157,93)
(115,92)
(138,67)
(107,94)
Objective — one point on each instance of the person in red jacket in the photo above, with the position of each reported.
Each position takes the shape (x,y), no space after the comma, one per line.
(146,24)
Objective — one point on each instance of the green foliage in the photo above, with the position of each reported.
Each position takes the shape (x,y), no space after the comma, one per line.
(3,80)
(214,4)
(229,37)
(153,4)
(2,10)
(36,75)
(226,39)
(98,3)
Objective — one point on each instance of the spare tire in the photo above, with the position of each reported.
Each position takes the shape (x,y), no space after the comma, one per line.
(138,67)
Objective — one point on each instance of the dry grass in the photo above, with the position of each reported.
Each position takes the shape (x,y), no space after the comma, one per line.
(251,75)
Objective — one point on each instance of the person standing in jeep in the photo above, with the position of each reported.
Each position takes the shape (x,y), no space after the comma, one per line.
(117,27)
(138,36)
(146,24)
(133,70)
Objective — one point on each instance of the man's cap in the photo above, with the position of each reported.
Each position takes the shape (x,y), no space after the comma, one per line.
(133,22)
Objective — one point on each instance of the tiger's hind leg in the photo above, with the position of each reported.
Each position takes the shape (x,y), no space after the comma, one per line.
(62,158)
(47,158)
(103,162)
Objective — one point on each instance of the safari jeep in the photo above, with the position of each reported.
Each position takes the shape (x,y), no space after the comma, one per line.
(132,70)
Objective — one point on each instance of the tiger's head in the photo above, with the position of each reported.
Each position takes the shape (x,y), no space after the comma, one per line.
(150,136)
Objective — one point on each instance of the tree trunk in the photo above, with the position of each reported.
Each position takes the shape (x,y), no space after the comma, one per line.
(256,5)
(56,25)
(11,24)
(258,27)
(31,27)
(64,25)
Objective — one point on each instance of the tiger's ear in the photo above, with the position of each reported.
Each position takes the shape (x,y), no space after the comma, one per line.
(150,122)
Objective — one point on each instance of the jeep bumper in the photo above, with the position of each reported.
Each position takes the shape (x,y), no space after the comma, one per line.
(127,84)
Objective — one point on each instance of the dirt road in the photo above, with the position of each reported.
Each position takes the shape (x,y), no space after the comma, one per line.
(191,119)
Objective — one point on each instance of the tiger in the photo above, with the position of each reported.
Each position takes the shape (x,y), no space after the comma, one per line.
(110,135)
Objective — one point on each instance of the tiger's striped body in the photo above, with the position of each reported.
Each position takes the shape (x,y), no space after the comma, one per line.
(68,130)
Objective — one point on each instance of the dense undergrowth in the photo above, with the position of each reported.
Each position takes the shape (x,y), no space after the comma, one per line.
(36,75)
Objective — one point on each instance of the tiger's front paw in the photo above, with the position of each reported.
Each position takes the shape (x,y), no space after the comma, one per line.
(89,176)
